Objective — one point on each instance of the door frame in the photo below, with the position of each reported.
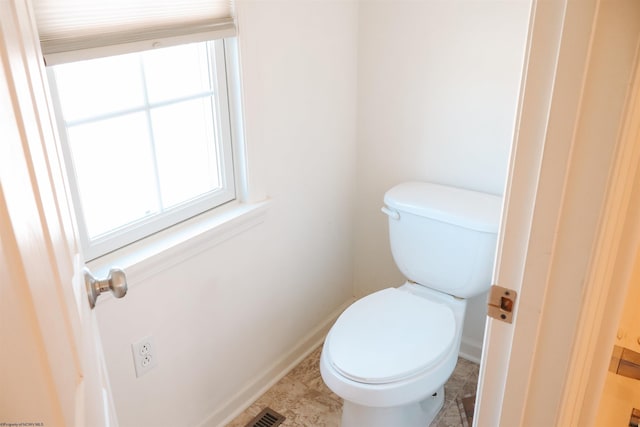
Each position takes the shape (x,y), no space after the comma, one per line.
(567,228)
(609,275)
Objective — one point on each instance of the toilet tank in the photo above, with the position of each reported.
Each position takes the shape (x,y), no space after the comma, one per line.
(443,237)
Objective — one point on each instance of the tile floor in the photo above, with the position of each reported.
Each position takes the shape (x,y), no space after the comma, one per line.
(305,401)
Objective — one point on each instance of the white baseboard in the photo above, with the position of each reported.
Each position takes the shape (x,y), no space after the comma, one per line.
(253,390)
(471,350)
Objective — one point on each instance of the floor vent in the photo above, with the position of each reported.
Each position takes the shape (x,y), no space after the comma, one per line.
(267,418)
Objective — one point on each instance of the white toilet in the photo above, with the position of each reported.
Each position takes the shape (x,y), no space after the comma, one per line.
(390,353)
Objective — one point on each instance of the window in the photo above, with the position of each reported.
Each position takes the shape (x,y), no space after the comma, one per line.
(146,139)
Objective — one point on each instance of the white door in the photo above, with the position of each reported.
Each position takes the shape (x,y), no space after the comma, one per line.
(53,371)
(571,220)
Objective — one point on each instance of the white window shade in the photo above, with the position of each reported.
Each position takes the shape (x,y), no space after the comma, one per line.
(72,30)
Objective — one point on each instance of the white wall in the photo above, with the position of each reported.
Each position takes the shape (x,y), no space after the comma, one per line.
(223,318)
(342,100)
(438,87)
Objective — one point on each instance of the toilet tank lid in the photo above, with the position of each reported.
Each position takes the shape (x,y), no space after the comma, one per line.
(464,208)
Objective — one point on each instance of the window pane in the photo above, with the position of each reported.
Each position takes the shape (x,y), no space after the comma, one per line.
(91,88)
(185,150)
(114,171)
(163,66)
(143,140)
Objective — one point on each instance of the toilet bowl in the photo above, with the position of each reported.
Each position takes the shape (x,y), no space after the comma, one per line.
(402,364)
(390,353)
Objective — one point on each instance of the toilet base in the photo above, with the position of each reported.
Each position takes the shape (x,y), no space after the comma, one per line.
(419,414)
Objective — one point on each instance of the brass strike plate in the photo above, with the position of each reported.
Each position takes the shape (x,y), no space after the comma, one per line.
(502,302)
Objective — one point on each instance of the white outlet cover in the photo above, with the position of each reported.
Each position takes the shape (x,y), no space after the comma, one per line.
(145,355)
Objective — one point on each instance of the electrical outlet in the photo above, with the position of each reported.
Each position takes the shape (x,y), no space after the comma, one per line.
(145,355)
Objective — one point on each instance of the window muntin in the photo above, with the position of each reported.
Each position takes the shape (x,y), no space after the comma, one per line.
(146,138)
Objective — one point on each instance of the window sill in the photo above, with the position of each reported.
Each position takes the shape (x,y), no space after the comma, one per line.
(170,247)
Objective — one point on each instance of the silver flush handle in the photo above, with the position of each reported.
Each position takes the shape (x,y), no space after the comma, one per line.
(116,282)
(392,213)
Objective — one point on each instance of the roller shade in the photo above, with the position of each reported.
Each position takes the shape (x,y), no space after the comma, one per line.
(72,30)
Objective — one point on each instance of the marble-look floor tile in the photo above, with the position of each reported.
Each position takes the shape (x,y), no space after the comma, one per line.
(303,398)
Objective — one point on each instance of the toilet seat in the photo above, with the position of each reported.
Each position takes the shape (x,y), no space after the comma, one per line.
(390,335)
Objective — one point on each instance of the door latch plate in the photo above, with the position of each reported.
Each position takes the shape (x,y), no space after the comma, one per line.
(501,304)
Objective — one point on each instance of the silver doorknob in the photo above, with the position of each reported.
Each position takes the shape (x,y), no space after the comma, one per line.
(116,282)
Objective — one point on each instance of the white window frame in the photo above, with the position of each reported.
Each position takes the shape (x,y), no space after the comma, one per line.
(136,231)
